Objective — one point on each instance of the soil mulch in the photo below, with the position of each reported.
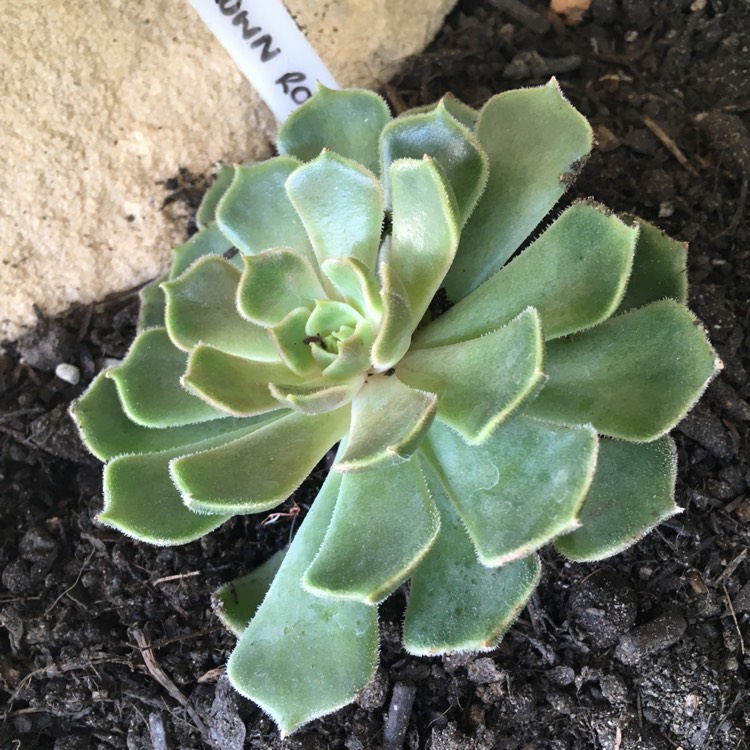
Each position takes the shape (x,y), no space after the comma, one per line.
(108,643)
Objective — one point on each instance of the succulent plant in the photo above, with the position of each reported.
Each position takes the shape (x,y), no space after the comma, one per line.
(529,403)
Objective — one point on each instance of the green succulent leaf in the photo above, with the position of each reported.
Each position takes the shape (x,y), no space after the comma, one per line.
(455,602)
(151,313)
(237,601)
(148,382)
(274,283)
(384,523)
(347,122)
(425,232)
(341,205)
(394,335)
(659,269)
(574,274)
(633,491)
(302,656)
(317,400)
(290,339)
(633,377)
(207,209)
(257,472)
(256,214)
(480,382)
(357,285)
(235,385)
(108,432)
(201,309)
(389,420)
(444,139)
(209,241)
(520,489)
(141,501)
(465,114)
(331,315)
(535,141)
(351,353)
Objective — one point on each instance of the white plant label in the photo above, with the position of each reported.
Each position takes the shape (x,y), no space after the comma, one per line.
(269,48)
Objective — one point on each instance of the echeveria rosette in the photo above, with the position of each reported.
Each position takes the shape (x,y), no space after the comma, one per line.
(535,410)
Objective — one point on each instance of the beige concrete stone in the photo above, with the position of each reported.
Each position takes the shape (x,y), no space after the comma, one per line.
(100,102)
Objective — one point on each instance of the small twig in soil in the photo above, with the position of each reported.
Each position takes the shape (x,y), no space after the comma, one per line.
(729,570)
(212,675)
(160,676)
(178,638)
(397,718)
(734,618)
(669,144)
(176,577)
(73,585)
(156,730)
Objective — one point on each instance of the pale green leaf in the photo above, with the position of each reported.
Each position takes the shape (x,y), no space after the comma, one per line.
(141,502)
(302,656)
(425,233)
(256,473)
(357,285)
(328,316)
(481,381)
(274,283)
(207,209)
(394,335)
(148,382)
(574,275)
(319,399)
(633,491)
(535,141)
(201,308)
(659,269)
(348,122)
(151,313)
(384,523)
(256,214)
(634,376)
(389,420)
(454,148)
(293,346)
(340,339)
(237,601)
(520,489)
(341,205)
(352,353)
(235,385)
(455,602)
(209,241)
(108,432)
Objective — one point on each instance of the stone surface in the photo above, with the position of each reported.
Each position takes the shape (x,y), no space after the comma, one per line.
(102,103)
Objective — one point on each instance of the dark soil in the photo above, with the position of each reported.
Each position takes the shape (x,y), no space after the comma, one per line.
(108,643)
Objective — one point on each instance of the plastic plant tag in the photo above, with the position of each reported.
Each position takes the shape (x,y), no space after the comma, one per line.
(269,48)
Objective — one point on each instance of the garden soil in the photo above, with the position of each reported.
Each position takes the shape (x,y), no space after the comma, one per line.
(109,643)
